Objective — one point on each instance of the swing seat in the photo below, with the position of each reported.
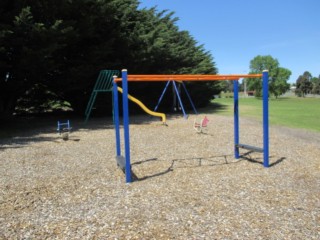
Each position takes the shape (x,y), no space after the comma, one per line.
(199,126)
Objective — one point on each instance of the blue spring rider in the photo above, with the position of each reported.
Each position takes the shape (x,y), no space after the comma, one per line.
(64,129)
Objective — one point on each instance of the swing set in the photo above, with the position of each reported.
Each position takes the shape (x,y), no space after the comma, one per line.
(176,86)
(124,161)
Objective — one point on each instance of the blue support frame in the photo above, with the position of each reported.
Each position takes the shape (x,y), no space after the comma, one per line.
(162,94)
(265,105)
(179,98)
(125,107)
(116,117)
(236,118)
(126,125)
(265,83)
(190,100)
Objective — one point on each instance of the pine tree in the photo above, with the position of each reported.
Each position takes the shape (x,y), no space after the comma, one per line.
(56,48)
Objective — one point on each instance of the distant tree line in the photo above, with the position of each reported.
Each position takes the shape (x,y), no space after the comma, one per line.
(52,51)
(306,84)
(278,76)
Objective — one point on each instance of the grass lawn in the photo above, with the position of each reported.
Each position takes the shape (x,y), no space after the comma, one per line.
(291,112)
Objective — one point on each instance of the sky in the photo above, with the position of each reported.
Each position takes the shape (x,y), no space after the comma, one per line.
(236,31)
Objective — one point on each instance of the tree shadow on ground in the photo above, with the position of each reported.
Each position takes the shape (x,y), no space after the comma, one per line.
(22,141)
(19,131)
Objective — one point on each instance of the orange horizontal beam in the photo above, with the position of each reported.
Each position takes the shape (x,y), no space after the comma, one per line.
(186,77)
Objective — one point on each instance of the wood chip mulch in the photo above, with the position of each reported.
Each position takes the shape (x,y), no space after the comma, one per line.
(189,185)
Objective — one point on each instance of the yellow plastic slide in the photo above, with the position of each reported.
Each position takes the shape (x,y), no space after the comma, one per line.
(144,108)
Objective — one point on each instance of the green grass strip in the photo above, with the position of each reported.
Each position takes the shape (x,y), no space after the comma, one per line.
(291,112)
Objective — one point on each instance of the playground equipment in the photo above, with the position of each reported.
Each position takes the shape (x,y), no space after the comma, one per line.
(124,161)
(177,91)
(199,126)
(144,108)
(103,84)
(64,129)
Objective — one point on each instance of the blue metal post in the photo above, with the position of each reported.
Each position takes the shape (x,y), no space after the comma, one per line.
(265,78)
(116,117)
(190,100)
(176,89)
(236,117)
(126,125)
(160,99)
